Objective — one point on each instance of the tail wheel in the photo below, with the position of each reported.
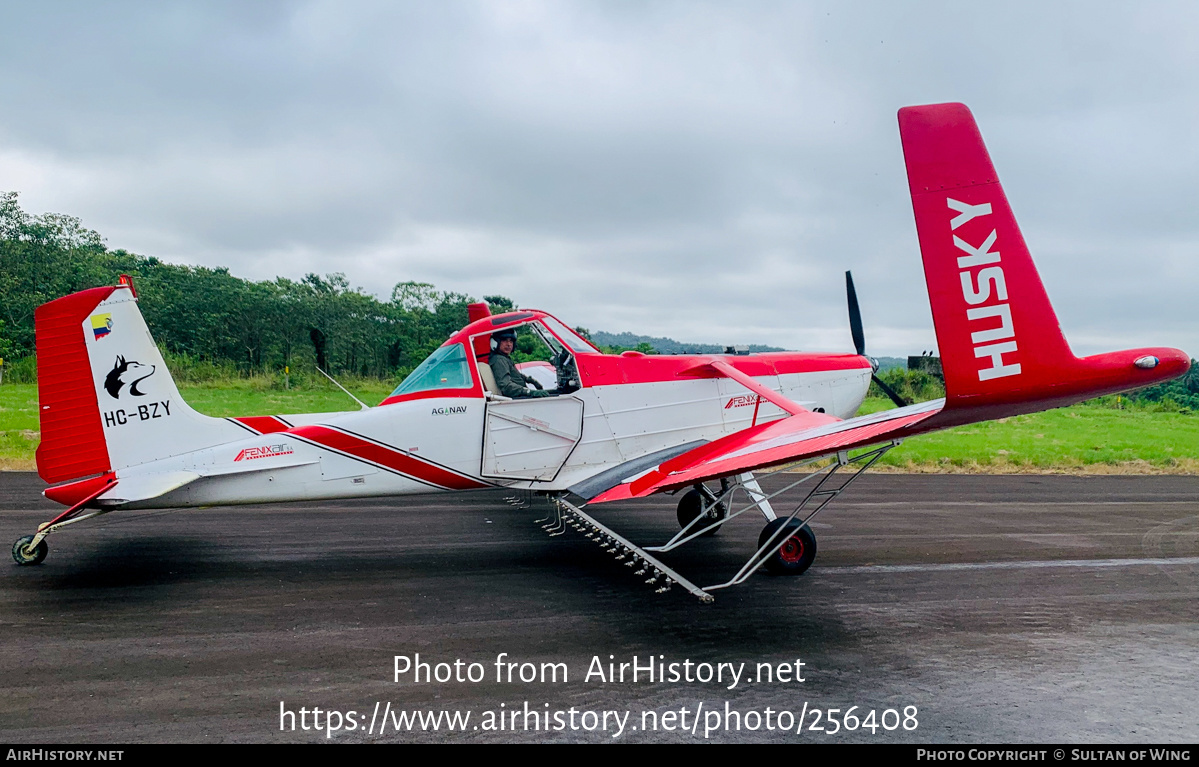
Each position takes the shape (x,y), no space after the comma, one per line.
(24,554)
(796,552)
(691,505)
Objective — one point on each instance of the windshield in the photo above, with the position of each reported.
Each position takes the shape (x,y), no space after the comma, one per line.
(572,339)
(446,368)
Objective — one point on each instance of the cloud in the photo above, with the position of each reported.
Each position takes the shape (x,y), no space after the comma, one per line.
(700,170)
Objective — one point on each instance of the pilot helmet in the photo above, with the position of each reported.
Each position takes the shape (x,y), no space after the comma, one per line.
(502,335)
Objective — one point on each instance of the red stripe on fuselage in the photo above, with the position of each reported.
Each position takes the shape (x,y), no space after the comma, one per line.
(475,393)
(263,424)
(387,457)
(608,370)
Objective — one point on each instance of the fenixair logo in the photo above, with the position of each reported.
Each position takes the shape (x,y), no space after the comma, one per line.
(456,410)
(742,400)
(250,453)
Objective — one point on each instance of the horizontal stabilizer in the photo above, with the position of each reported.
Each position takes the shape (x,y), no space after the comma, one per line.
(142,486)
(244,469)
(146,486)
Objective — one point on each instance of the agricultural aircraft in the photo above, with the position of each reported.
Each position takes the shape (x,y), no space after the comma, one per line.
(116,435)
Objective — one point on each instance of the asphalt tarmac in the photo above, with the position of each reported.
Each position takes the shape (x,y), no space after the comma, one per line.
(957,609)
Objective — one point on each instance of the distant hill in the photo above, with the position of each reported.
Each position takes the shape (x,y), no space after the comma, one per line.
(886,363)
(671,346)
(666,345)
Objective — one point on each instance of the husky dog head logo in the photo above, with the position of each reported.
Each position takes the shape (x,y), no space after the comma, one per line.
(131,373)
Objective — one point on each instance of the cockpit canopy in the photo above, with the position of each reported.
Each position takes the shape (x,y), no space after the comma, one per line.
(449,368)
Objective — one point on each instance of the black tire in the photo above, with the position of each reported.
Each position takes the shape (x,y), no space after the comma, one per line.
(792,555)
(22,554)
(690,506)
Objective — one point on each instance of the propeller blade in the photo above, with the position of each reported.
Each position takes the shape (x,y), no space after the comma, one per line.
(855,317)
(859,340)
(898,400)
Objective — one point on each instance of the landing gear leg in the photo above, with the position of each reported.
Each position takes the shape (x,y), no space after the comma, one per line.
(787,545)
(700,501)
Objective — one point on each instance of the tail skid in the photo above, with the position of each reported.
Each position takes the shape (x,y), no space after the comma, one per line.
(1002,348)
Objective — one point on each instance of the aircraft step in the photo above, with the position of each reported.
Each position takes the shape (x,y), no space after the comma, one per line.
(656,573)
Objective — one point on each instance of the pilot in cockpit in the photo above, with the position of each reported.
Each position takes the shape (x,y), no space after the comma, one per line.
(512,382)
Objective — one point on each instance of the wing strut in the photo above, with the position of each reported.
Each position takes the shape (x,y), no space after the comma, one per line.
(565,514)
(785,530)
(765,392)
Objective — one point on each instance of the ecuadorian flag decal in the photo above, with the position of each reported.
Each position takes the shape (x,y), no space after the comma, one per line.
(101,324)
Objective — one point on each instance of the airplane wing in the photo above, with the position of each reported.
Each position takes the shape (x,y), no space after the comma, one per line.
(772,444)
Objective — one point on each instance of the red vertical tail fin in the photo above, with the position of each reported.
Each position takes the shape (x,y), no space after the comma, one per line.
(106,399)
(999,337)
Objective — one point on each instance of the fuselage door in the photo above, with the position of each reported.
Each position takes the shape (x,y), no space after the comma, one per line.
(530,438)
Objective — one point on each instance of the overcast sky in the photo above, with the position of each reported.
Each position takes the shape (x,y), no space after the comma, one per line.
(700,171)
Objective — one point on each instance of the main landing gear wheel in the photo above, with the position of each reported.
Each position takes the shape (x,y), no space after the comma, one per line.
(796,553)
(22,554)
(691,505)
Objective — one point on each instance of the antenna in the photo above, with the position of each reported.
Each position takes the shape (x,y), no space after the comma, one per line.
(344,389)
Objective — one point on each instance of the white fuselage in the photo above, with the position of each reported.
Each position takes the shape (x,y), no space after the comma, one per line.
(456,443)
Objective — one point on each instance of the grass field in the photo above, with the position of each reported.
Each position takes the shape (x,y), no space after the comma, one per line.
(1084,438)
(1088,438)
(19,422)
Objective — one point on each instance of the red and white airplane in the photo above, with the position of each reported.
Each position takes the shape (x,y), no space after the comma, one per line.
(116,434)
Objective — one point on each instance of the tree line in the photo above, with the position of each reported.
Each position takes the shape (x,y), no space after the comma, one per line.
(203,315)
(207,319)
